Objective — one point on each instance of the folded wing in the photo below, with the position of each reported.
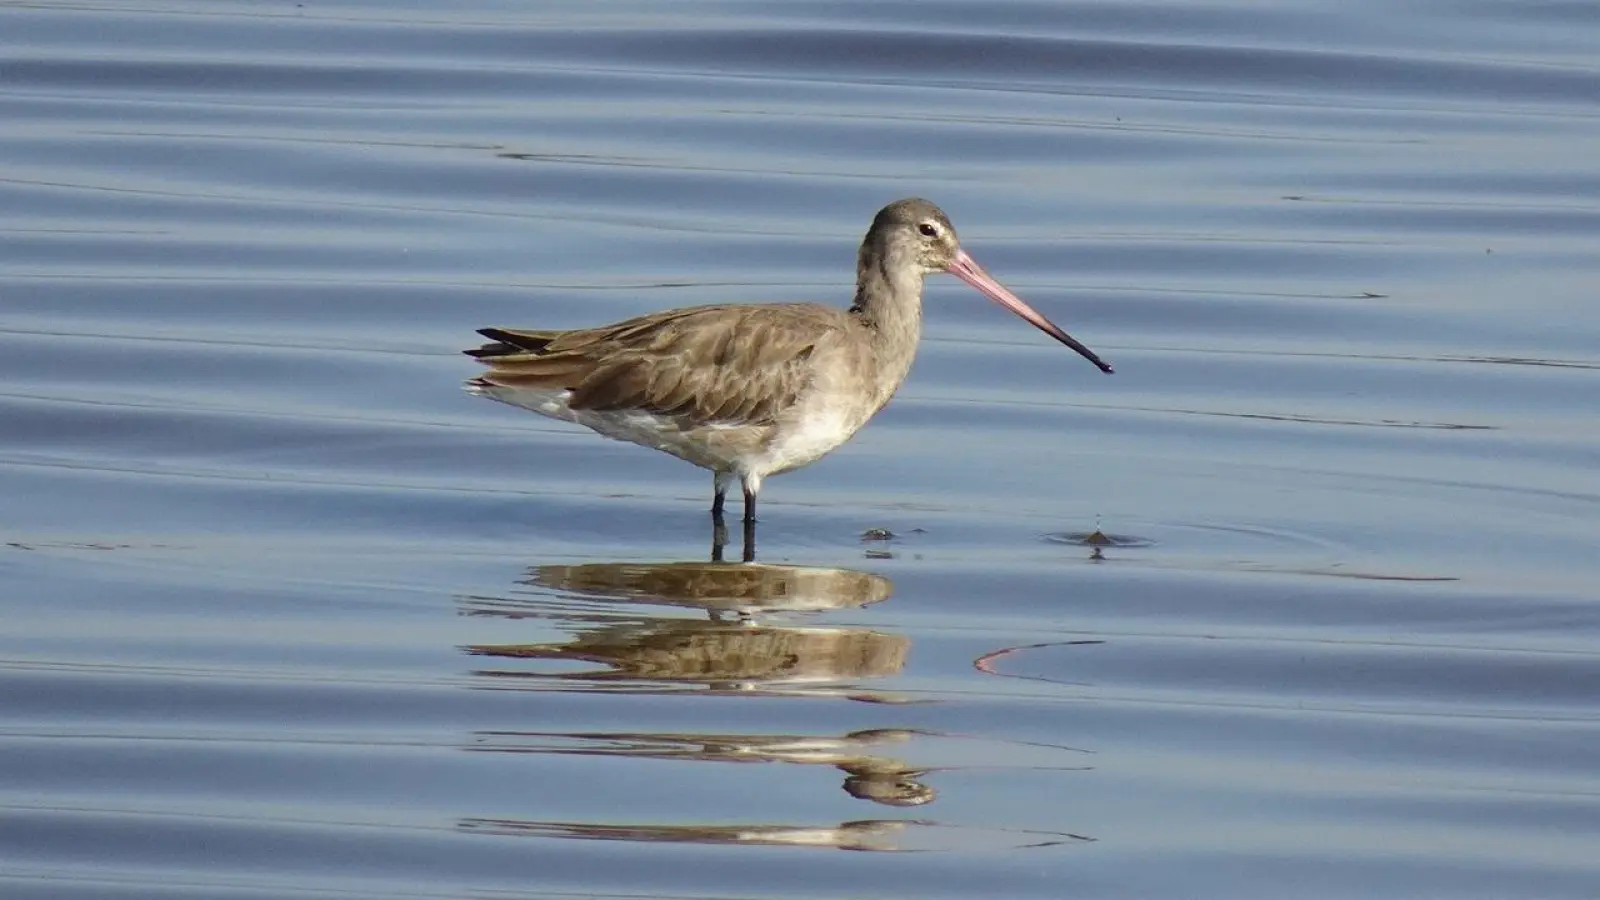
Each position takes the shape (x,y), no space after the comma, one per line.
(708,365)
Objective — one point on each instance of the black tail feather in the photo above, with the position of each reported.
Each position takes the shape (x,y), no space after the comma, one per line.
(506,343)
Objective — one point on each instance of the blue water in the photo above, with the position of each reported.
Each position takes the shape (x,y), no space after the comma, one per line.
(1301,602)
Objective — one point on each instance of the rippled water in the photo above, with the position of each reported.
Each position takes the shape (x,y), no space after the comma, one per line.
(1301,602)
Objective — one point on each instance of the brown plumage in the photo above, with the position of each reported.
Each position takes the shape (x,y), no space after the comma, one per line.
(702,365)
(749,391)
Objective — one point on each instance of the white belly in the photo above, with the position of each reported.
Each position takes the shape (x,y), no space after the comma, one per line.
(807,437)
(715,447)
(799,439)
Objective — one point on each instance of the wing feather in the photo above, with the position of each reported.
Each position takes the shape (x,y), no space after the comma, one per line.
(705,365)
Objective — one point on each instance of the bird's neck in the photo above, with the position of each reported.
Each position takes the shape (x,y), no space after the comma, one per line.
(889,302)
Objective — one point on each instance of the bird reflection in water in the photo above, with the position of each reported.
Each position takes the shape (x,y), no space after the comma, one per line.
(870,774)
(876,835)
(725,652)
(880,835)
(606,607)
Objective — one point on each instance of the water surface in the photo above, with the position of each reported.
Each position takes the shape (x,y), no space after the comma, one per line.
(288,614)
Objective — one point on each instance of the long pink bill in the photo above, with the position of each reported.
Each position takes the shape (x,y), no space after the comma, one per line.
(967,269)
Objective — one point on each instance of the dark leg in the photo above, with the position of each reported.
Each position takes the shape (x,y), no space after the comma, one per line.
(749,526)
(719,499)
(719,528)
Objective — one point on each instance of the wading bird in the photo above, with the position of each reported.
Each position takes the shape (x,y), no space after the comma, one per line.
(754,390)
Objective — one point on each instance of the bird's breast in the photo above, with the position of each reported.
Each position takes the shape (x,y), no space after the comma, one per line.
(810,433)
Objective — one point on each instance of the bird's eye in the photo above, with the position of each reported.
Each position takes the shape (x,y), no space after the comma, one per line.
(928,229)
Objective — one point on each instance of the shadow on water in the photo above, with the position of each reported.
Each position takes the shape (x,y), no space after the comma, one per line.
(728,652)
